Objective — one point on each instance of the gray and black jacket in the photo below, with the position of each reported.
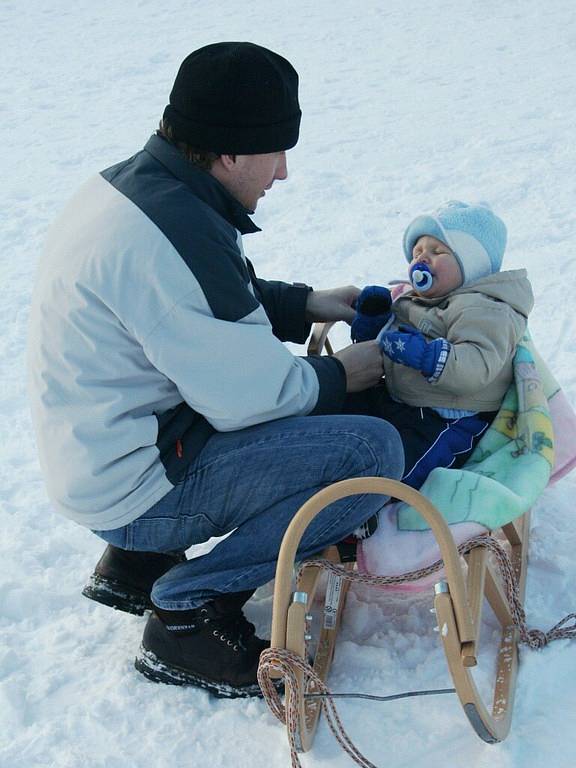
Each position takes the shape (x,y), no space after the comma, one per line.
(149,331)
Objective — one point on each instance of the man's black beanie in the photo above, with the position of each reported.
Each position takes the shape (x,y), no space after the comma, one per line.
(235,98)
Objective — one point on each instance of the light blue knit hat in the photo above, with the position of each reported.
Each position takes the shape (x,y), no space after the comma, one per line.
(473,232)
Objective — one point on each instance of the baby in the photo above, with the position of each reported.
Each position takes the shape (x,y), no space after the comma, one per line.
(449,341)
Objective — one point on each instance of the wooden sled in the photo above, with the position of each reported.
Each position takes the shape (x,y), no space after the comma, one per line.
(458,602)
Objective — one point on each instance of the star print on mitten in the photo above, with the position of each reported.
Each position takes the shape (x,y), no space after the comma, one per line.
(408,346)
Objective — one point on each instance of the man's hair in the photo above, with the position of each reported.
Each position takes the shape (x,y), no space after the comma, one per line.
(199,157)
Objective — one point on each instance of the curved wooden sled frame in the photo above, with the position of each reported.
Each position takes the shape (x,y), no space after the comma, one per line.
(458,602)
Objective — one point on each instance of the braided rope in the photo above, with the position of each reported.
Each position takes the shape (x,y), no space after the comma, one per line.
(286,662)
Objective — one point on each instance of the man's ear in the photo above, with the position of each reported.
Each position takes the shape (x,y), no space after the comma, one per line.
(225,168)
(228,161)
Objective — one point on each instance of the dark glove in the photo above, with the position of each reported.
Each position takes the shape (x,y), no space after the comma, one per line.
(409,347)
(372,312)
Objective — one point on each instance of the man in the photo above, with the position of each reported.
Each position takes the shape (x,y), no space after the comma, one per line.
(167,409)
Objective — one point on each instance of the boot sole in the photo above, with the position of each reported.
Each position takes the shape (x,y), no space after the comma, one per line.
(153,668)
(116,595)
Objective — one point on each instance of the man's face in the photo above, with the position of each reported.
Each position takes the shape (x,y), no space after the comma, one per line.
(250,176)
(442,264)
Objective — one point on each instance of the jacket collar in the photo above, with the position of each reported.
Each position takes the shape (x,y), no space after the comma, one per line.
(205,186)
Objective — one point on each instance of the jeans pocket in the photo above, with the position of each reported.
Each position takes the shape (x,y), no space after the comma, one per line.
(167,534)
(154,534)
(198,528)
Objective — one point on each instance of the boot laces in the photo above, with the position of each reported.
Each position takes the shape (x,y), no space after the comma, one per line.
(234,629)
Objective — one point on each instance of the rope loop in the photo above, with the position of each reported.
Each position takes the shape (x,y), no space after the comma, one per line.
(286,662)
(539,639)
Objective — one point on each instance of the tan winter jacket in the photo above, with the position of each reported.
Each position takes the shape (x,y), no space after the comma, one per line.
(483,321)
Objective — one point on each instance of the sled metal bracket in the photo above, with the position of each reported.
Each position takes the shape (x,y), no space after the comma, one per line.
(441,587)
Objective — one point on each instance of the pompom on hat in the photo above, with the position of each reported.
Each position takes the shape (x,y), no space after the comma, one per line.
(474,233)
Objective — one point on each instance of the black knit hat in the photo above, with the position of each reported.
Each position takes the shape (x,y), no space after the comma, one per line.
(235,98)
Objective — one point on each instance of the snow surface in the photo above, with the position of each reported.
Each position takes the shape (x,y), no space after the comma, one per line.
(406,104)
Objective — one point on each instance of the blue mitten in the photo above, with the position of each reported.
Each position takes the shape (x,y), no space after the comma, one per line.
(372,312)
(409,347)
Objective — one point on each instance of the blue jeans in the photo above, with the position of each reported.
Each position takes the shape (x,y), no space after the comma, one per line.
(249,484)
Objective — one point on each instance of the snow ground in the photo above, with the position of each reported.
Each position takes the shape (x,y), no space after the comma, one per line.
(406,104)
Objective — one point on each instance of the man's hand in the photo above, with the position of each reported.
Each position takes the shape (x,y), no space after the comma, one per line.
(332,304)
(363,364)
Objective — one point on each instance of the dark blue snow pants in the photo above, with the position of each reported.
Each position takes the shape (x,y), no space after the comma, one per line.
(429,440)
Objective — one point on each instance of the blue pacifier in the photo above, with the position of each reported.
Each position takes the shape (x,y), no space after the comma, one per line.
(421,277)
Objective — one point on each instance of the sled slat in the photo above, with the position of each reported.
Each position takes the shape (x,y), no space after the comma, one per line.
(319,340)
(496,596)
(476,560)
(513,532)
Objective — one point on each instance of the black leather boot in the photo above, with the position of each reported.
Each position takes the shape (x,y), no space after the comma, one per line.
(123,579)
(212,647)
(347,547)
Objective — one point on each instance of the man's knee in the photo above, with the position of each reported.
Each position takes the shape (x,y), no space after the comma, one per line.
(375,449)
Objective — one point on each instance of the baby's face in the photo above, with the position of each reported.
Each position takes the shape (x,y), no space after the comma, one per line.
(441,262)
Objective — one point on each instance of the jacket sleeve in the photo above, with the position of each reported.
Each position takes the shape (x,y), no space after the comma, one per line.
(285,305)
(237,374)
(483,342)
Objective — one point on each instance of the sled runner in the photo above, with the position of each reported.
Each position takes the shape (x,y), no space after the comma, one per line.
(482,568)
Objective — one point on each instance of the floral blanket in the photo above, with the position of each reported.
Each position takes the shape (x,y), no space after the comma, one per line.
(530,443)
